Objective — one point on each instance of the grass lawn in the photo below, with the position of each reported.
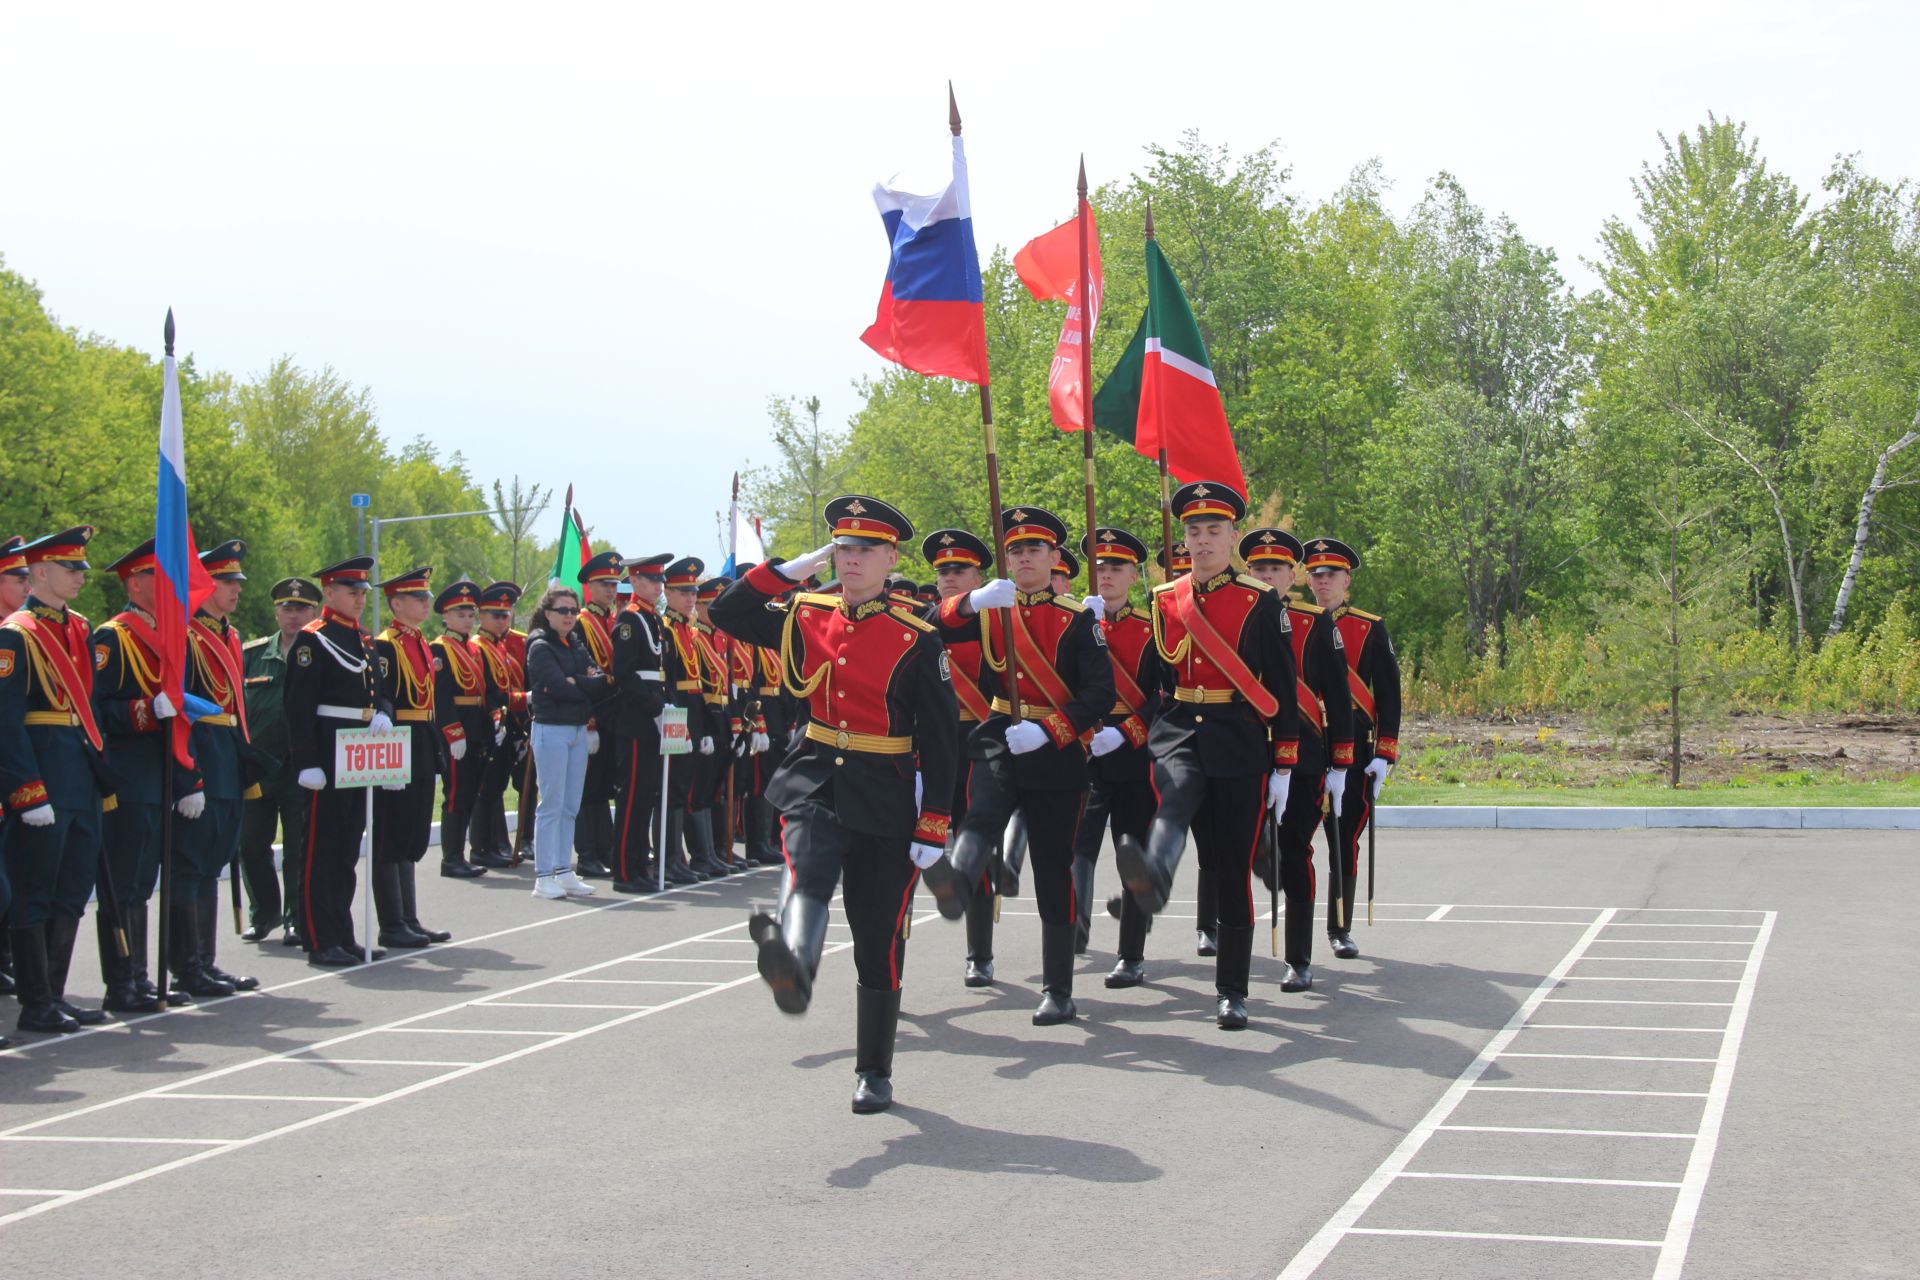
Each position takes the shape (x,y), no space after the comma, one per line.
(1798,793)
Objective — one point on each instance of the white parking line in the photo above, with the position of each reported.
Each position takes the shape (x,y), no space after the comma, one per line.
(1711,1004)
(1608,1093)
(1607,977)
(1529,1177)
(258,1097)
(30,1191)
(1607,1057)
(1504,1235)
(1578,1133)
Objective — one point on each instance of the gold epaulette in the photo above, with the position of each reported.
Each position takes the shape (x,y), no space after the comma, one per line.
(1363,614)
(912,620)
(1163,586)
(1248,580)
(822,599)
(1069,604)
(1304,606)
(256,643)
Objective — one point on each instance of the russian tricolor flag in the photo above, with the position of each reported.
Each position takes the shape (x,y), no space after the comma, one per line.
(932,317)
(181,582)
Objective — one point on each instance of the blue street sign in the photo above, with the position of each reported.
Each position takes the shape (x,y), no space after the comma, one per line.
(361,499)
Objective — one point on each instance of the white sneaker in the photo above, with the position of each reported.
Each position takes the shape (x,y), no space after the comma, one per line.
(548,886)
(573,886)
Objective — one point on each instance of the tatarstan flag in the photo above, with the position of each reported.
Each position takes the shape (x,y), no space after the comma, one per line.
(1161,395)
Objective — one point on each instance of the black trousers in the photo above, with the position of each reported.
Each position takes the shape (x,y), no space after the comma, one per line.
(1053,825)
(1298,825)
(879,878)
(205,847)
(336,820)
(1223,816)
(132,849)
(403,820)
(505,765)
(281,808)
(52,869)
(636,802)
(460,796)
(1352,825)
(1126,807)
(593,828)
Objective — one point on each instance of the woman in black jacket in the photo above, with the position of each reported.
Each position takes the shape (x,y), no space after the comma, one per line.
(558,671)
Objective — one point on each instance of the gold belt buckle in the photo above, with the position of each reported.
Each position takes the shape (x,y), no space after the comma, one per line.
(1201,690)
(841,739)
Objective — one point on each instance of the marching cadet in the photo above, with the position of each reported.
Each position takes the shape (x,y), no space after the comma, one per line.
(593,833)
(639,670)
(685,686)
(759,671)
(13,594)
(403,815)
(223,758)
(875,677)
(1224,748)
(1065,570)
(712,825)
(1326,742)
(460,697)
(332,685)
(1373,676)
(132,712)
(1122,792)
(1038,763)
(50,778)
(960,560)
(1176,562)
(503,652)
(281,805)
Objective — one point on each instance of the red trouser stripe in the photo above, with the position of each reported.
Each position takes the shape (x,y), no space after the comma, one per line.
(626,822)
(899,919)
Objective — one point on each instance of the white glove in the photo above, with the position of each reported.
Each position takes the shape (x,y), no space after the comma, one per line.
(1025,736)
(313,779)
(191,805)
(393,786)
(1107,738)
(1277,787)
(924,855)
(762,742)
(919,789)
(499,734)
(41,815)
(163,707)
(1096,606)
(1378,768)
(458,749)
(799,570)
(1336,788)
(593,742)
(380,722)
(997,594)
(706,746)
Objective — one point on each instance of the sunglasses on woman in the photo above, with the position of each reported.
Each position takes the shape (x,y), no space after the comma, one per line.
(565,611)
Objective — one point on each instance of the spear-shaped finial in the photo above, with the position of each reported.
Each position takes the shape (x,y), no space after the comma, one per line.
(1083,176)
(1149,217)
(169,331)
(953,111)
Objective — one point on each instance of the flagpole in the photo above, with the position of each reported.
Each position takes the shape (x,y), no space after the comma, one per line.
(993,493)
(1084,296)
(165,939)
(1160,435)
(726,657)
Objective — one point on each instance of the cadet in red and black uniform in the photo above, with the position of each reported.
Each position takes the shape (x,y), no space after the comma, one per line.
(224,760)
(460,697)
(1176,562)
(876,678)
(639,671)
(768,725)
(593,833)
(13,594)
(1037,764)
(50,778)
(1122,793)
(1224,748)
(332,685)
(959,561)
(1326,742)
(503,652)
(710,821)
(1373,676)
(685,690)
(403,816)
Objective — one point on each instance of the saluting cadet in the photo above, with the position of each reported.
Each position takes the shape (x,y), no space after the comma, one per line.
(709,822)
(960,560)
(684,685)
(875,677)
(403,814)
(281,806)
(503,652)
(639,669)
(460,697)
(1326,741)
(1037,764)
(1224,748)
(1121,796)
(332,685)
(13,594)
(593,831)
(50,778)
(132,713)
(1373,676)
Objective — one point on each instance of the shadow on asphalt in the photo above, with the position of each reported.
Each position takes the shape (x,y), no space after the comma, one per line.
(941,1142)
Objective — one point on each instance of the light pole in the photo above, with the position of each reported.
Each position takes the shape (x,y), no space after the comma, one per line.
(375,525)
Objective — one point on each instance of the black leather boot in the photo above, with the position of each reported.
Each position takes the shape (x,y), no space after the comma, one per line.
(1082,904)
(38,1012)
(1342,944)
(1056,976)
(139,941)
(701,848)
(410,906)
(62,932)
(394,930)
(677,870)
(766,843)
(980,941)
(1134,924)
(6,959)
(1230,976)
(1147,871)
(183,950)
(955,879)
(117,972)
(207,916)
(790,955)
(876,1022)
(1013,856)
(1205,916)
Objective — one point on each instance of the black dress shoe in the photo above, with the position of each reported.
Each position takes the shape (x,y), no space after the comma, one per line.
(484,858)
(239,983)
(950,893)
(1055,1008)
(1344,946)
(979,973)
(592,869)
(872,1092)
(360,956)
(678,873)
(403,938)
(257,932)
(633,886)
(431,935)
(1299,977)
(128,997)
(1205,943)
(202,985)
(1126,973)
(1114,905)
(175,1000)
(292,938)
(49,1018)
(1230,1012)
(461,870)
(333,958)
(85,1017)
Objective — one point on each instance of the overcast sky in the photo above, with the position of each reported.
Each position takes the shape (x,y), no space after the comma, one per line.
(585,243)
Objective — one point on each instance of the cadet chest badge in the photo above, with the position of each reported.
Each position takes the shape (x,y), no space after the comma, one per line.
(1338,643)
(946,672)
(6,663)
(1100,636)
(99,657)
(626,631)
(439,665)
(384,665)
(303,656)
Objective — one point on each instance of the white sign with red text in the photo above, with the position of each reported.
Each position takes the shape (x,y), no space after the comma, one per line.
(372,758)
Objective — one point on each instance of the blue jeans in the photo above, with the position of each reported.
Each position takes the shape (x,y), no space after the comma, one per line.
(560,764)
